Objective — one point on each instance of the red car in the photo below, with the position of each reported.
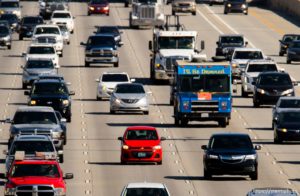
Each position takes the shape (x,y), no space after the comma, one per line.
(141,144)
(32,177)
(98,7)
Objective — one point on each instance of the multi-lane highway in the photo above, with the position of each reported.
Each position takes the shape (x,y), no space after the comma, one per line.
(93,151)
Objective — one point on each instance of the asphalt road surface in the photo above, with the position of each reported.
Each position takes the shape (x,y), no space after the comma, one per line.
(93,151)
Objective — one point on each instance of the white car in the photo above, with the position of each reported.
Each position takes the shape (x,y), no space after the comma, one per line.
(47,29)
(50,39)
(145,188)
(252,70)
(38,51)
(65,33)
(241,56)
(108,81)
(63,17)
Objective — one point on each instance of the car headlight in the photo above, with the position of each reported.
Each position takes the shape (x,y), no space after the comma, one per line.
(15,12)
(60,191)
(56,134)
(33,102)
(103,87)
(65,102)
(262,91)
(92,8)
(211,156)
(106,8)
(228,5)
(6,38)
(9,191)
(292,52)
(282,130)
(125,147)
(115,53)
(158,147)
(250,157)
(244,6)
(289,91)
(234,65)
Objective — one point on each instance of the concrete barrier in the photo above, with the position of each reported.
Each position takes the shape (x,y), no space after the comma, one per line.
(289,6)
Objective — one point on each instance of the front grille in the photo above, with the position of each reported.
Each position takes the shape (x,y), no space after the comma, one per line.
(147,12)
(35,132)
(102,53)
(54,103)
(184,4)
(146,148)
(35,190)
(205,106)
(147,154)
(232,159)
(130,100)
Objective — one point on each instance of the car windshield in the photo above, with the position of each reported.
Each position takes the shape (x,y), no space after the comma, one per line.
(99,2)
(39,64)
(61,15)
(114,78)
(205,83)
(289,117)
(248,55)
(275,80)
(146,191)
(32,117)
(289,103)
(32,20)
(176,42)
(290,38)
(49,88)
(44,170)
(41,50)
(4,30)
(43,40)
(47,30)
(295,45)
(231,142)
(141,135)
(101,41)
(31,147)
(261,67)
(9,17)
(104,30)
(130,88)
(9,4)
(232,40)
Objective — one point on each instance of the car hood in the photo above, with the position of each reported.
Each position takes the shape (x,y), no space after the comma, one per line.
(30,180)
(129,96)
(252,74)
(142,143)
(35,126)
(232,152)
(40,71)
(176,52)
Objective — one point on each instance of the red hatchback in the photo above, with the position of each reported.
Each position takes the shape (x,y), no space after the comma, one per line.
(141,144)
(98,7)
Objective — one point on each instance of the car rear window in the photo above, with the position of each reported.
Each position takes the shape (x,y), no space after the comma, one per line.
(141,135)
(40,64)
(41,50)
(231,142)
(146,191)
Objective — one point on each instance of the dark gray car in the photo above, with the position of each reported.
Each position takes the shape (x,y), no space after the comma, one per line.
(293,52)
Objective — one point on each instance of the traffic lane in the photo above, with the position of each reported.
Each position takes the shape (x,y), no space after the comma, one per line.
(98,130)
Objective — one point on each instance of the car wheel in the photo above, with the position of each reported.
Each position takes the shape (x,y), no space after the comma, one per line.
(20,37)
(225,12)
(72,32)
(211,4)
(126,4)
(89,14)
(146,112)
(9,47)
(176,121)
(112,111)
(61,54)
(61,158)
(159,163)
(254,175)
(171,101)
(68,42)
(222,122)
(288,61)
(244,94)
(246,13)
(173,12)
(277,140)
(116,64)
(107,14)
(86,64)
(256,103)
(194,13)
(184,122)
(281,53)
(123,162)
(24,86)
(69,119)
(207,175)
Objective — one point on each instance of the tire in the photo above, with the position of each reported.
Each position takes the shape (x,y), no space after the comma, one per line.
(116,64)
(225,12)
(107,14)
(69,118)
(112,111)
(222,122)
(254,175)
(211,4)
(246,13)
(126,4)
(207,175)
(288,61)
(9,47)
(244,94)
(99,98)
(277,140)
(20,37)
(176,121)
(281,53)
(61,158)
(184,122)
(72,32)
(146,112)
(61,54)
(68,42)
(88,13)
(24,86)
(152,75)
(194,13)
(123,162)
(171,102)
(86,64)
(255,103)
(173,12)
(159,163)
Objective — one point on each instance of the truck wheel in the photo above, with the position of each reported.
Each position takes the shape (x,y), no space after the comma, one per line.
(244,94)
(194,13)
(173,12)
(281,53)
(61,158)
(222,122)
(184,122)
(126,4)
(116,64)
(254,175)
(207,175)
(177,121)
(171,101)
(86,64)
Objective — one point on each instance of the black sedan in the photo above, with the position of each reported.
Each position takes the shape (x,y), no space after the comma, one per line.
(287,125)
(286,40)
(12,20)
(27,25)
(293,52)
(232,154)
(236,6)
(110,30)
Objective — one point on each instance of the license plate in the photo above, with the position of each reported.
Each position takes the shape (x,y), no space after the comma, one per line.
(204,115)
(141,154)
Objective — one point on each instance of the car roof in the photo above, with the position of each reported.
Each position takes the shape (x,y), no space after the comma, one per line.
(35,108)
(247,49)
(291,34)
(124,84)
(9,1)
(229,134)
(32,137)
(145,185)
(231,35)
(62,11)
(49,80)
(141,128)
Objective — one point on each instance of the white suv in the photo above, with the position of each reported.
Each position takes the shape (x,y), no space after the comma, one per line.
(63,17)
(252,70)
(108,81)
(38,51)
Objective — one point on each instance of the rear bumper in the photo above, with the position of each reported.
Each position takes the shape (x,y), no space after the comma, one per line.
(217,167)
(204,116)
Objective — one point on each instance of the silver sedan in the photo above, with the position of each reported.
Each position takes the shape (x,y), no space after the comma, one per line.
(129,97)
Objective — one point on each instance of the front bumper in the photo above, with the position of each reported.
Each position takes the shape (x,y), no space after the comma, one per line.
(135,107)
(290,135)
(218,167)
(163,75)
(113,59)
(141,155)
(203,116)
(147,22)
(236,8)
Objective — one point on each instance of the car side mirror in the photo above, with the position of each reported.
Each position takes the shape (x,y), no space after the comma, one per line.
(150,45)
(121,43)
(22,66)
(149,92)
(204,147)
(5,152)
(120,138)
(63,120)
(26,93)
(163,139)
(132,80)
(202,45)
(217,43)
(71,93)
(82,44)
(68,176)
(97,80)
(8,120)
(295,83)
(257,147)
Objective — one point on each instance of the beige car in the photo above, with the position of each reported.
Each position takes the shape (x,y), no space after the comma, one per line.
(184,6)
